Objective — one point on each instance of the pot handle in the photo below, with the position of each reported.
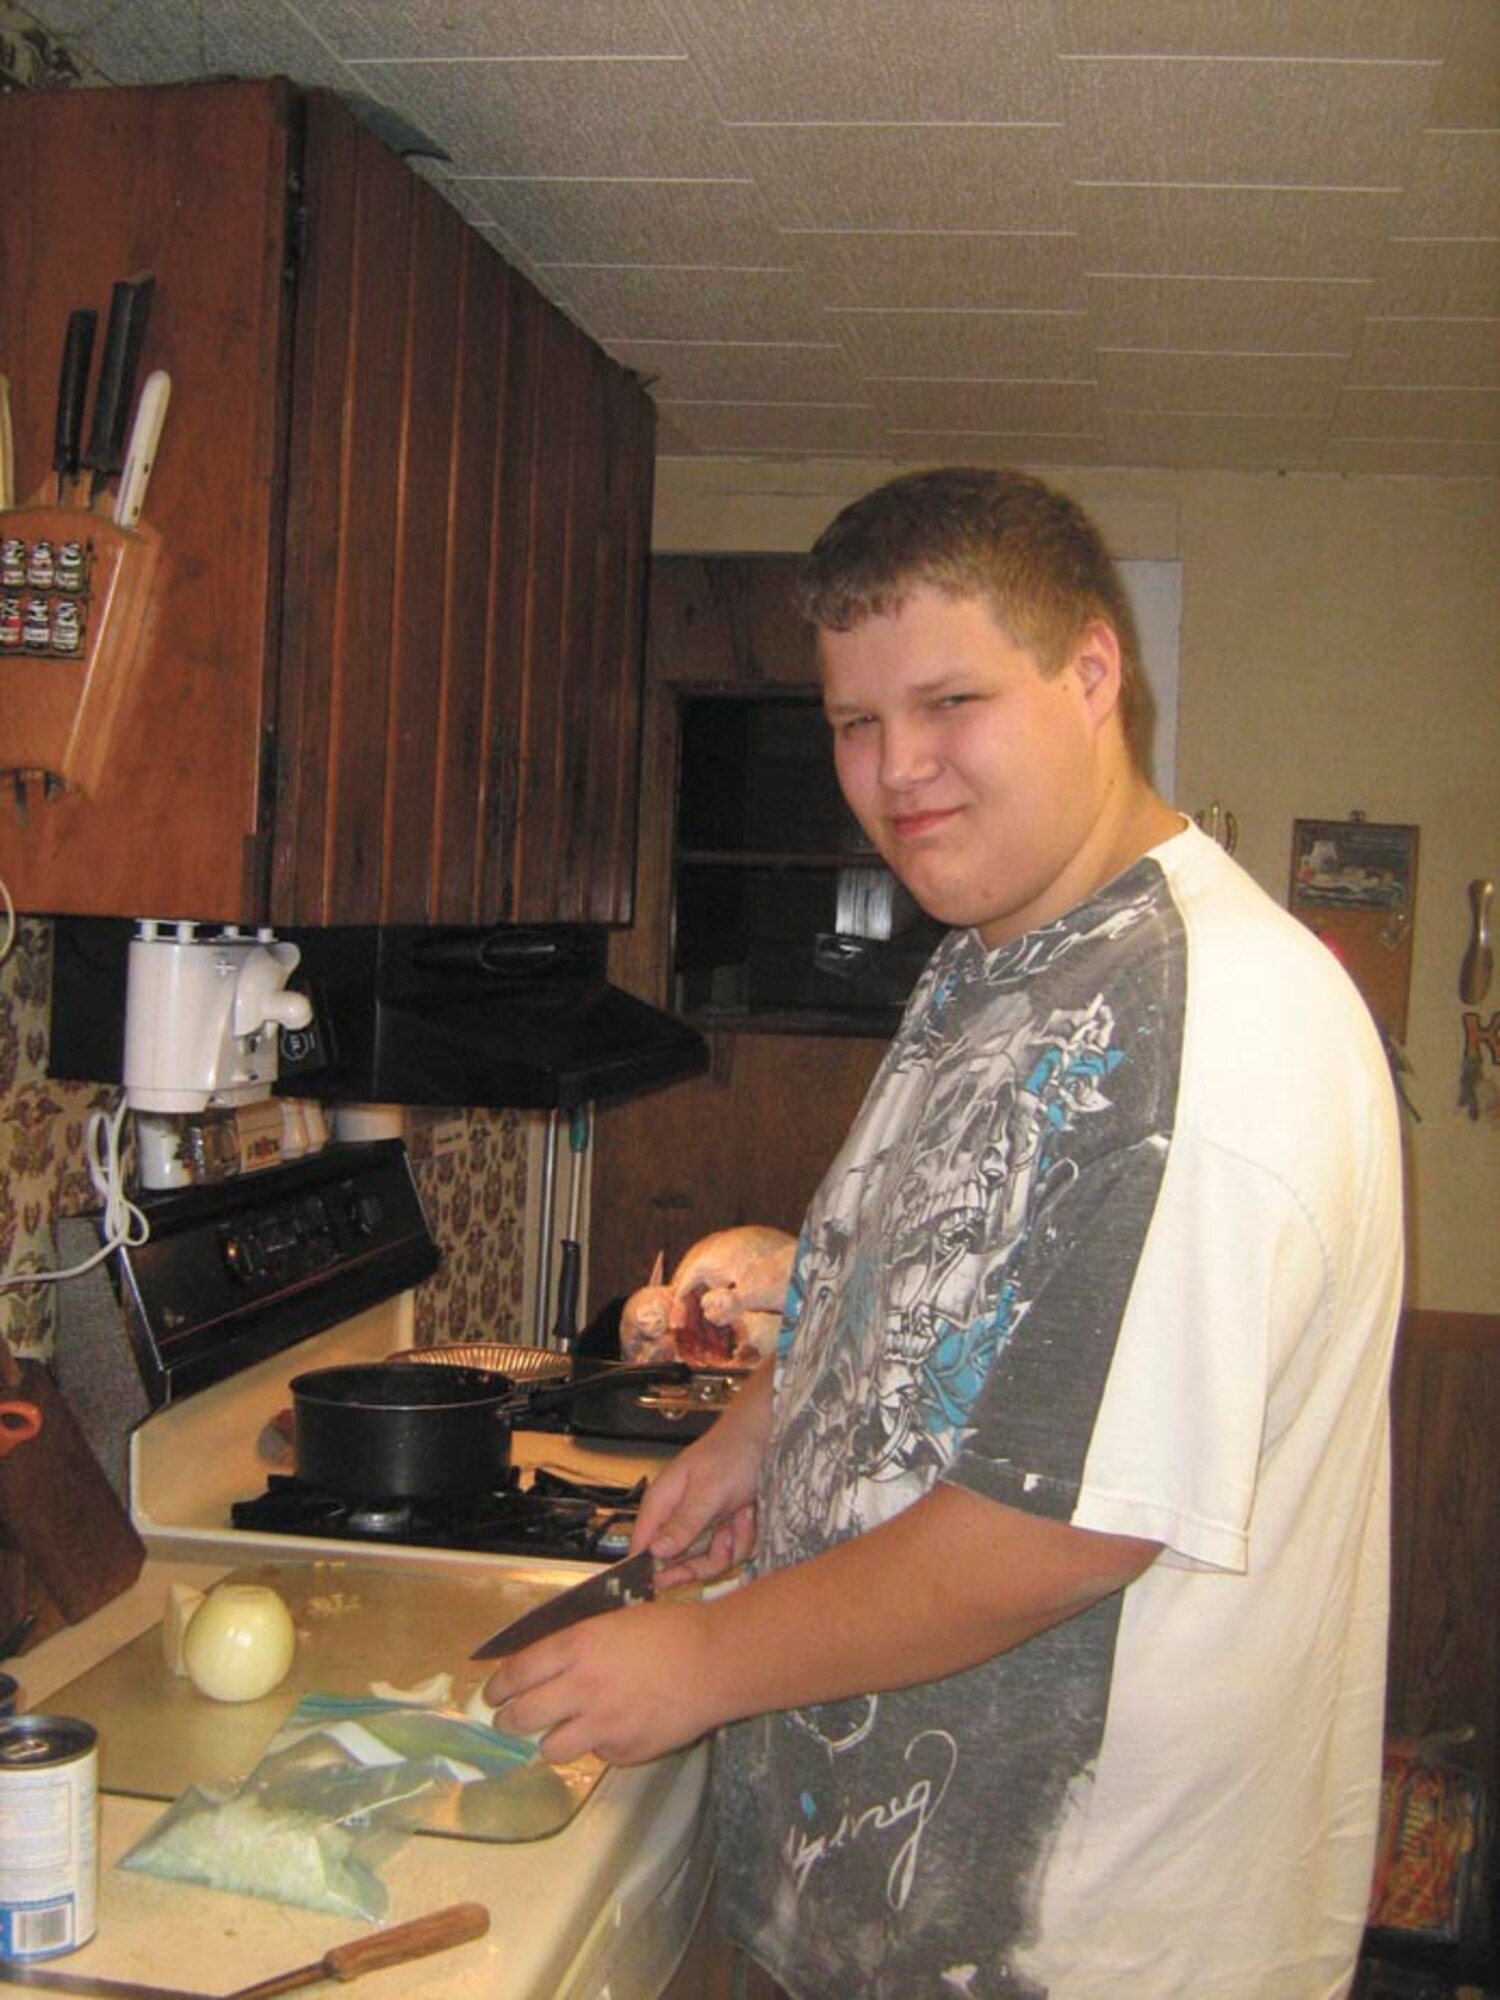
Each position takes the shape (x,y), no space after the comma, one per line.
(546,1397)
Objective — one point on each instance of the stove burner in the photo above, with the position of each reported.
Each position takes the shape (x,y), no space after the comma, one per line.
(553,1516)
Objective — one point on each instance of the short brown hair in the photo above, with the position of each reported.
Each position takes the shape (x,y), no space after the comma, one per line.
(975,531)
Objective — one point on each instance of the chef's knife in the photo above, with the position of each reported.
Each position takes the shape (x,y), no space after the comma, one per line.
(623,1583)
(72,391)
(459,1923)
(140,453)
(129,310)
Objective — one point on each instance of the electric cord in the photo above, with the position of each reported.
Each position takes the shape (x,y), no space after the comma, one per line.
(125,1225)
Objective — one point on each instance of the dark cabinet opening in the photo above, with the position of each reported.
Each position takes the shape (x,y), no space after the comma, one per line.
(785,918)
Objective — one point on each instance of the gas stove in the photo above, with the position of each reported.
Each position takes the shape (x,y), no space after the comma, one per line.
(189,1366)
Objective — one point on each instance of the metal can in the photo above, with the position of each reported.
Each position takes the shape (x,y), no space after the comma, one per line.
(49,1835)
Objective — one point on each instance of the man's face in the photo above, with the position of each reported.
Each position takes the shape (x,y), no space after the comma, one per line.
(980,781)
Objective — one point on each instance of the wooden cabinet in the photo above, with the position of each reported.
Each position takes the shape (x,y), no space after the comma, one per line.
(393,670)
(750,1141)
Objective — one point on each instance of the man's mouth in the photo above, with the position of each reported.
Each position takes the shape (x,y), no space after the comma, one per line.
(913,825)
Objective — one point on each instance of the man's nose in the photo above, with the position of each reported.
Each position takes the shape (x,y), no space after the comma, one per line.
(906,755)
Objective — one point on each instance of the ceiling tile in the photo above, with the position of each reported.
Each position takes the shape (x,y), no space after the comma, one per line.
(1418,413)
(794,430)
(1439,279)
(609,119)
(1259,232)
(955,269)
(1454,187)
(1428,354)
(362,29)
(1300,124)
(1294,385)
(1256,315)
(1186,438)
(1055,409)
(885,60)
(909,177)
(743,371)
(690,302)
(631,222)
(1431,458)
(1468,92)
(1029,346)
(1387,29)
(993,444)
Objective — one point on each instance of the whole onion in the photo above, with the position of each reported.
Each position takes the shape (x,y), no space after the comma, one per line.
(240,1642)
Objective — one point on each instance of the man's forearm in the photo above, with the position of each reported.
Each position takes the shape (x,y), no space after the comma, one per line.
(950,1582)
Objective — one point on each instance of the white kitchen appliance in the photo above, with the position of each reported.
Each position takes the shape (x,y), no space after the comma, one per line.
(245,1284)
(204,1011)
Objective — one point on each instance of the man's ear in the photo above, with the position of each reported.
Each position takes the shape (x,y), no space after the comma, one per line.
(1096,659)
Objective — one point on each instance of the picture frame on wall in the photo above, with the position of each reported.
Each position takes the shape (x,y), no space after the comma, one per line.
(1354,884)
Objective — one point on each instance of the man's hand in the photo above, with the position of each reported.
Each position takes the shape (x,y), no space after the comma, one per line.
(698,1516)
(630,1685)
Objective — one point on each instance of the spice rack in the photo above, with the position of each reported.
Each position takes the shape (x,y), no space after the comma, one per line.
(75,589)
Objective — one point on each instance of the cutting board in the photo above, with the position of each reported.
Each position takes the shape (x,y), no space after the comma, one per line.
(158,1735)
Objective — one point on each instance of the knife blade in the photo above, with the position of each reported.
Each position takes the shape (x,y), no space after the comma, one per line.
(140,453)
(623,1583)
(129,310)
(72,390)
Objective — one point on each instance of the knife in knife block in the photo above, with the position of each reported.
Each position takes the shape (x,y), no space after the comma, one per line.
(58,706)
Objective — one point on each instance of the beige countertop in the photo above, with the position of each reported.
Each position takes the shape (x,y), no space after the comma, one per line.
(555,1904)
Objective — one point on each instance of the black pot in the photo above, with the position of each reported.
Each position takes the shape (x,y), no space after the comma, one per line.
(388,1431)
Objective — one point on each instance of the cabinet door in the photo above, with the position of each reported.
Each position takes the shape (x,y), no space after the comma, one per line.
(466,545)
(189,184)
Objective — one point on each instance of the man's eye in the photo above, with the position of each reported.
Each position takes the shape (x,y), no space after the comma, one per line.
(850,725)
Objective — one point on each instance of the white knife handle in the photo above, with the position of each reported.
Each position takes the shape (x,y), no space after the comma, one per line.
(7,449)
(140,454)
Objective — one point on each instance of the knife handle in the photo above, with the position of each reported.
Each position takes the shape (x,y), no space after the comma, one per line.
(130,308)
(140,457)
(72,390)
(440,1930)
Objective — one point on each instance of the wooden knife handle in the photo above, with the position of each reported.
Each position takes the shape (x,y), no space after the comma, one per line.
(459,1923)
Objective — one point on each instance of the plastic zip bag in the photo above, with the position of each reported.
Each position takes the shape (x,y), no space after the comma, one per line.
(341,1784)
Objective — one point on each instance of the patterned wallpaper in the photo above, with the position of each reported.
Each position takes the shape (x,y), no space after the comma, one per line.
(473,1192)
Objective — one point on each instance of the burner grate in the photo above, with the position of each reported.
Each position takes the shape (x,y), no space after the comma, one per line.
(553,1516)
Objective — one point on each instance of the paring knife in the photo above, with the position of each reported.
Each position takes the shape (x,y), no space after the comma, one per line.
(459,1923)
(129,310)
(140,453)
(623,1583)
(72,391)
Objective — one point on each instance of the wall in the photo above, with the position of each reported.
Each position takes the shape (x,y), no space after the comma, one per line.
(1339,652)
(474,1195)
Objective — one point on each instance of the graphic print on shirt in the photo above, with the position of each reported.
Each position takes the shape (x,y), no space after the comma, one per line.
(939,1248)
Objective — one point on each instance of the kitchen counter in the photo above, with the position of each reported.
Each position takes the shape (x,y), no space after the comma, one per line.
(557,1906)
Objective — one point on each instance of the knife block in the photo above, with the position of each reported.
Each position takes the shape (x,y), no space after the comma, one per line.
(58,707)
(59,1513)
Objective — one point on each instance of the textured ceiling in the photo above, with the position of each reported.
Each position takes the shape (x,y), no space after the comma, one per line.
(1199,233)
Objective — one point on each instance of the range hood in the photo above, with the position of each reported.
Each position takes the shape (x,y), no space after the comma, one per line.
(508,1017)
(511,1016)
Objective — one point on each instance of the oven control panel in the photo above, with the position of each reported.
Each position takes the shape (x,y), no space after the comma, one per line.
(240,1269)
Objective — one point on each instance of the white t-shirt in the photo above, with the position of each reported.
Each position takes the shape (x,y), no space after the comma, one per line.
(1116,1238)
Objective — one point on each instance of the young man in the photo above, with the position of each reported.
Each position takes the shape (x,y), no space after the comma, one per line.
(1060,1669)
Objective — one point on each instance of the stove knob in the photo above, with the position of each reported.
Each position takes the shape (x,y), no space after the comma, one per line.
(366,1213)
(242,1258)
